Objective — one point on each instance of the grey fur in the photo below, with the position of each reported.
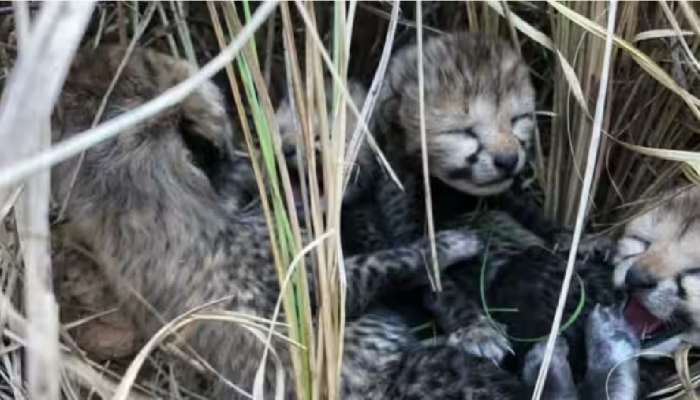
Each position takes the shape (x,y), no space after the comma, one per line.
(364,170)
(612,345)
(560,381)
(612,371)
(149,205)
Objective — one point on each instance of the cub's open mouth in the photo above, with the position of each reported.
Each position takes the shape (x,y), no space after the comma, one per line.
(647,326)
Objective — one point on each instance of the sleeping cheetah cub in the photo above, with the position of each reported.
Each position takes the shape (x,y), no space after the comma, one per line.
(658,263)
(364,169)
(479,111)
(370,195)
(479,118)
(153,206)
(479,121)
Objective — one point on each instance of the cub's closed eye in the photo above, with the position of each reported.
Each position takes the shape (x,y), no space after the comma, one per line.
(691,271)
(520,117)
(465,131)
(632,246)
(644,242)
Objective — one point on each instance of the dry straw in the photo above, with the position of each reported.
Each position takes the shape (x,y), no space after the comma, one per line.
(582,208)
(600,168)
(34,86)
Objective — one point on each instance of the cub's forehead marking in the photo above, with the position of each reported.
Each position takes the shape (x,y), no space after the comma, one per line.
(482,108)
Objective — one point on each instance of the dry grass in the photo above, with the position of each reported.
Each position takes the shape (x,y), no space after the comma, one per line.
(649,142)
(57,32)
(592,156)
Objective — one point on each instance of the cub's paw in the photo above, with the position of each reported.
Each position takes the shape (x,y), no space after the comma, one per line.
(455,245)
(610,340)
(533,359)
(591,246)
(484,339)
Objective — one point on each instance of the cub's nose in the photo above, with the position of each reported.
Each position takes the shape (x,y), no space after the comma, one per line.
(637,278)
(289,151)
(506,162)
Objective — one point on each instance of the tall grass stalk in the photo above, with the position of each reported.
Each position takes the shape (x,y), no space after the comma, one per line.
(284,231)
(573,123)
(591,161)
(332,135)
(359,135)
(46,50)
(435,279)
(183,31)
(316,106)
(315,38)
(650,118)
(303,105)
(333,143)
(643,60)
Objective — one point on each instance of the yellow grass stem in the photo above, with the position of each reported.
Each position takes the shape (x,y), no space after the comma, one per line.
(644,61)
(582,206)
(284,232)
(435,278)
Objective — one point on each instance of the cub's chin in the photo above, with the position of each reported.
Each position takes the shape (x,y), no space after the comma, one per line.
(477,189)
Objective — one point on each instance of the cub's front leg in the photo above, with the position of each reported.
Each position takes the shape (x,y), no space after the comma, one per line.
(461,317)
(370,274)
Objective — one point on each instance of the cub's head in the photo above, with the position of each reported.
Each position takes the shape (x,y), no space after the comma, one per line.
(479,110)
(178,157)
(658,263)
(292,140)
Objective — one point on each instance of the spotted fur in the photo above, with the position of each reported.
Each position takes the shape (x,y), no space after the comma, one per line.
(466,86)
(598,347)
(152,204)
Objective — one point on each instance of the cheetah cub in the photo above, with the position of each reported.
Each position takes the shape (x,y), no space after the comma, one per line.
(657,263)
(479,119)
(479,111)
(369,193)
(364,169)
(153,206)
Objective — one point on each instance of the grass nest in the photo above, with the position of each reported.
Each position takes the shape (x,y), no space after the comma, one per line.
(649,143)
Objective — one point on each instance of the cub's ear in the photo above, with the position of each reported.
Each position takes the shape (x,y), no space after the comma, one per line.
(206,155)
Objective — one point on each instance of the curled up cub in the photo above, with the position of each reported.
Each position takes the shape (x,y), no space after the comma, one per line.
(152,205)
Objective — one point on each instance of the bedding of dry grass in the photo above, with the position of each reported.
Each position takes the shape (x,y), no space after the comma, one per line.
(649,142)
